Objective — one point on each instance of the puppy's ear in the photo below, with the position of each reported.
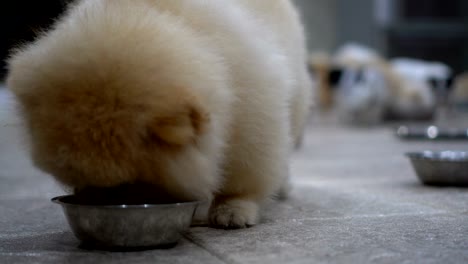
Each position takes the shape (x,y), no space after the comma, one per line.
(180,128)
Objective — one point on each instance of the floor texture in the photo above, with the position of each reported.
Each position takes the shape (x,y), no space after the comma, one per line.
(355,200)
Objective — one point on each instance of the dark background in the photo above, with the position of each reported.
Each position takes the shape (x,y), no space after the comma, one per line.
(432,30)
(20,20)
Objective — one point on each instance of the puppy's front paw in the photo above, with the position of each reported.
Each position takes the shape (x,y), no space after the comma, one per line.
(233,213)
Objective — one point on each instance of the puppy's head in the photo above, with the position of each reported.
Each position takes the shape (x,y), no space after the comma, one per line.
(103,114)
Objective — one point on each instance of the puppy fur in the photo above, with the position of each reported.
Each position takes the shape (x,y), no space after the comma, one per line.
(200,99)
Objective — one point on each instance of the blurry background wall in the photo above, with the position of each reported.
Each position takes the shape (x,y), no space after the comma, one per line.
(429,29)
(320,18)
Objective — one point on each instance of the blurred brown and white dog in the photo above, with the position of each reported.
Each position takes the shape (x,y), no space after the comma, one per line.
(200,99)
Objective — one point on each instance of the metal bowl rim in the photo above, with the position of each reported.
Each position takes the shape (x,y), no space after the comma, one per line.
(59,200)
(419,156)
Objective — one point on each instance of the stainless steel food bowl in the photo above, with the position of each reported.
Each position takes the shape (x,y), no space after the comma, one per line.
(127,227)
(433,133)
(449,168)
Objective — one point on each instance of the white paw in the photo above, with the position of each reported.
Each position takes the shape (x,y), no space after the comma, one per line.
(230,214)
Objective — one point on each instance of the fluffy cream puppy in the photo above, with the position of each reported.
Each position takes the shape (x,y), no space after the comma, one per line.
(198,99)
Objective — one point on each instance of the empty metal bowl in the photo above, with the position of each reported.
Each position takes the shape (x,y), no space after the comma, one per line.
(432,133)
(446,168)
(127,227)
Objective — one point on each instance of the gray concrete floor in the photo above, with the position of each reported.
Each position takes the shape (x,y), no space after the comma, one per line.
(355,200)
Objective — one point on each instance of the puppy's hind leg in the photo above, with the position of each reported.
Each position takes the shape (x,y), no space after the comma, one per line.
(255,171)
(284,190)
